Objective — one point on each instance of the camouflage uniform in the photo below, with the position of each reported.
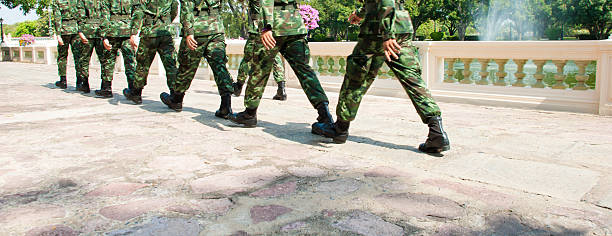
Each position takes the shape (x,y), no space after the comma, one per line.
(278,72)
(384,19)
(202,19)
(91,16)
(116,28)
(156,35)
(65,24)
(286,23)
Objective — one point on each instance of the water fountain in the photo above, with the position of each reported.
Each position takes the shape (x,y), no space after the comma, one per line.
(505,20)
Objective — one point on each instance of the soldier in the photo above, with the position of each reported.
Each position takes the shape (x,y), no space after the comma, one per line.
(385,34)
(156,36)
(115,32)
(278,72)
(283,31)
(91,16)
(65,16)
(203,36)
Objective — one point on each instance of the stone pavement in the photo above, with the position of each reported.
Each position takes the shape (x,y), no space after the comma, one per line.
(72,164)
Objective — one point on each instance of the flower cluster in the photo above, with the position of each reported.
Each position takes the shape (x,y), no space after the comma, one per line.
(26,39)
(310,16)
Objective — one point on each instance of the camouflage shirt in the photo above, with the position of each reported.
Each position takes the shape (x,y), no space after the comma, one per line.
(91,15)
(201,17)
(385,18)
(254,16)
(153,17)
(283,17)
(116,19)
(64,17)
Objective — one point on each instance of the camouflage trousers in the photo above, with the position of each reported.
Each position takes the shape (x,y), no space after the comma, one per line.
(110,57)
(212,48)
(363,66)
(71,41)
(278,71)
(86,51)
(146,53)
(295,50)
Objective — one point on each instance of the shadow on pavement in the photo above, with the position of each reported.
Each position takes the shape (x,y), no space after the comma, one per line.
(513,224)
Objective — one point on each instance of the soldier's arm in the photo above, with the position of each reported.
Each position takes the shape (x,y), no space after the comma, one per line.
(81,14)
(174,10)
(137,17)
(387,16)
(106,21)
(267,12)
(187,18)
(57,18)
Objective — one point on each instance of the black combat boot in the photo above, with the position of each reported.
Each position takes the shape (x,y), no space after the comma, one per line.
(134,95)
(62,83)
(174,100)
(280,92)
(248,118)
(226,106)
(105,90)
(79,81)
(237,88)
(337,131)
(324,121)
(437,140)
(84,86)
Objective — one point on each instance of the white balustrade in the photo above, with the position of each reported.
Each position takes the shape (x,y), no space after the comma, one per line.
(552,75)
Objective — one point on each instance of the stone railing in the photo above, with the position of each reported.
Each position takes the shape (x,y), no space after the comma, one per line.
(562,75)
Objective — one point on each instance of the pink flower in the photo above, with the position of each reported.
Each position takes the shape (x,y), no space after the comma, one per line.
(310,16)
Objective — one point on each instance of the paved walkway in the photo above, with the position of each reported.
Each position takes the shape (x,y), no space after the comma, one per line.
(73,164)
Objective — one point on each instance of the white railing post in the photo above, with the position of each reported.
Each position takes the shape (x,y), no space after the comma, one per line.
(21,54)
(604,78)
(48,55)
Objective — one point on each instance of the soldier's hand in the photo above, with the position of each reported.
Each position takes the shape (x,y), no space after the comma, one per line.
(107,45)
(392,48)
(83,38)
(60,41)
(133,42)
(268,39)
(191,42)
(354,19)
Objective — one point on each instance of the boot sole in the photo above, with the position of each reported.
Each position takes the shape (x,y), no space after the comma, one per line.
(246,125)
(434,151)
(102,95)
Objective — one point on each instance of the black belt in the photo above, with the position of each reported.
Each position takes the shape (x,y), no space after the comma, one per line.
(207,12)
(285,6)
(120,17)
(152,21)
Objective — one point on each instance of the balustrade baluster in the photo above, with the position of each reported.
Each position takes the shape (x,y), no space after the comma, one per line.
(451,70)
(501,74)
(324,67)
(484,72)
(467,73)
(342,63)
(560,77)
(582,76)
(332,65)
(539,75)
(520,73)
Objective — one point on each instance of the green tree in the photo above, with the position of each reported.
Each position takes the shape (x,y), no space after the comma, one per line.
(594,15)
(333,15)
(422,11)
(460,14)
(26,27)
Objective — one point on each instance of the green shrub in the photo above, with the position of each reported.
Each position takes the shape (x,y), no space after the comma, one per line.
(436,36)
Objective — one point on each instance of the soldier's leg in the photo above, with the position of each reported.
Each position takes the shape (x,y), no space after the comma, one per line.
(76,47)
(278,72)
(129,60)
(244,69)
(297,53)
(189,60)
(144,55)
(362,67)
(168,55)
(108,68)
(217,59)
(407,68)
(62,61)
(261,66)
(86,51)
(279,69)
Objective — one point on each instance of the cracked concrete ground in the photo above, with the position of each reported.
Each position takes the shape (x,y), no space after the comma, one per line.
(72,164)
